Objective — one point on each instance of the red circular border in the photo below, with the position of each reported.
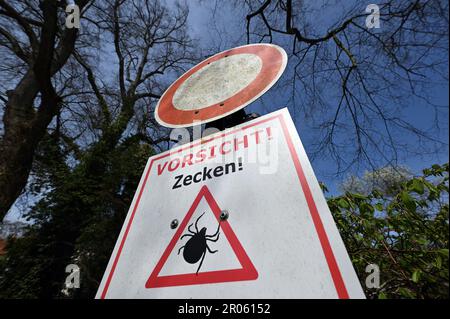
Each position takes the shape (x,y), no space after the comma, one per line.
(272,61)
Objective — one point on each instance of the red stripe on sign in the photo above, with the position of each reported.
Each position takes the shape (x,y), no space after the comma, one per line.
(323,238)
(246,272)
(116,259)
(326,247)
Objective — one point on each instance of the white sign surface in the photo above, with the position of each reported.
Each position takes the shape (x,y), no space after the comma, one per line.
(279,240)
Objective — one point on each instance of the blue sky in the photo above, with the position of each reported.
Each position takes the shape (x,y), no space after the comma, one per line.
(228,30)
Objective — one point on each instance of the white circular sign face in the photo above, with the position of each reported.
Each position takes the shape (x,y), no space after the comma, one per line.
(217,81)
(221,85)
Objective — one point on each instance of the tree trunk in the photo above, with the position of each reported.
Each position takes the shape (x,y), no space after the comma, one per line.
(24,127)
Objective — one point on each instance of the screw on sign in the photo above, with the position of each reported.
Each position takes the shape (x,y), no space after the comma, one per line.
(197,245)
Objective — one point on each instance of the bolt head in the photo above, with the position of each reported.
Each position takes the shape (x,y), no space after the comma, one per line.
(174,224)
(224,215)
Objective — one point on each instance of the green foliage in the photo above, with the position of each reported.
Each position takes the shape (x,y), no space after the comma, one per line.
(405,233)
(77,221)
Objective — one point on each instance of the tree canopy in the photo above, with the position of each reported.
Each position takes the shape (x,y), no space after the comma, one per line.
(404,230)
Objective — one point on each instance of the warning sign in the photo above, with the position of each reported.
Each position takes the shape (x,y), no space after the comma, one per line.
(197,245)
(237,214)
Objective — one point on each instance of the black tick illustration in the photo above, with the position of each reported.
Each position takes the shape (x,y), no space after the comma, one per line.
(196,247)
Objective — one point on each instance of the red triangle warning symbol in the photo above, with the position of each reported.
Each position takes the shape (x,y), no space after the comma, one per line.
(246,272)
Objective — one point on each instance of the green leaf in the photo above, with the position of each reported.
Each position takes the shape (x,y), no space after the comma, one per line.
(343,203)
(438,262)
(359,196)
(416,275)
(408,201)
(366,208)
(405,292)
(422,241)
(379,236)
(417,186)
(382,295)
(379,207)
(444,252)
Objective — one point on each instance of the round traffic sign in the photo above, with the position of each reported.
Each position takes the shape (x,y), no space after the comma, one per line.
(220,85)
